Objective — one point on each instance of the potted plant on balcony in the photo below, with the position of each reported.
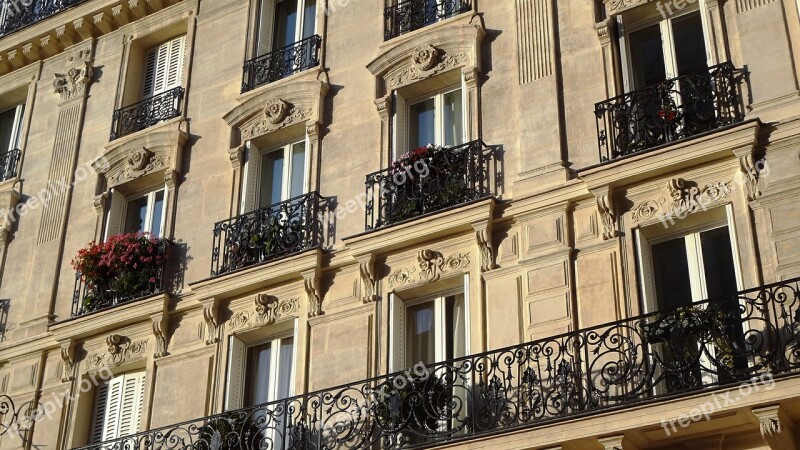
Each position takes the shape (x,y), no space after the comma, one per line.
(416,403)
(125,266)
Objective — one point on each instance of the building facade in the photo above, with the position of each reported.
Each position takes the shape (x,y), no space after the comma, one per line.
(363,224)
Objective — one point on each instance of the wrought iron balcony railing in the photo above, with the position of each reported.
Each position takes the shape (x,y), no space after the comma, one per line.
(146,113)
(266,234)
(88,298)
(409,15)
(18,14)
(281,63)
(8,164)
(431,181)
(721,342)
(676,109)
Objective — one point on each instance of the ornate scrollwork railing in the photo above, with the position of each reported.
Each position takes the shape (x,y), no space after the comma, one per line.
(409,15)
(443,178)
(91,298)
(266,234)
(146,113)
(18,14)
(666,354)
(675,109)
(281,63)
(8,164)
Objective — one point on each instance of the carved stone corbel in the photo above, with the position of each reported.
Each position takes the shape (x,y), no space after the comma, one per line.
(750,176)
(311,286)
(68,360)
(74,82)
(483,237)
(776,428)
(114,343)
(384,106)
(160,333)
(99,203)
(211,318)
(608,217)
(171,179)
(366,267)
(236,156)
(616,443)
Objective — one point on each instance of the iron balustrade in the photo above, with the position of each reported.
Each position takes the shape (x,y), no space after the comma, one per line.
(675,109)
(409,15)
(8,164)
(444,177)
(269,233)
(280,63)
(146,113)
(88,298)
(667,354)
(18,14)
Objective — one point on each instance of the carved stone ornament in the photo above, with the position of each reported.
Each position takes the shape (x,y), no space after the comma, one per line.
(750,175)
(160,334)
(120,349)
(211,318)
(268,310)
(482,238)
(777,429)
(367,272)
(427,61)
(73,83)
(432,265)
(617,6)
(605,208)
(681,198)
(141,161)
(68,361)
(314,301)
(277,114)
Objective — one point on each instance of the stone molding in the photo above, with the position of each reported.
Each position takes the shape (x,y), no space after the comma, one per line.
(431,265)
(267,309)
(119,350)
(680,198)
(75,80)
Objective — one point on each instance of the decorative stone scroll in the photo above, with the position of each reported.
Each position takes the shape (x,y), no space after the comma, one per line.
(120,349)
(681,198)
(73,83)
(432,265)
(277,114)
(140,162)
(267,310)
(427,62)
(617,6)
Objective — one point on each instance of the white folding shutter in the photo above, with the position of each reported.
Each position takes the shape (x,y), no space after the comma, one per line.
(151,65)
(648,288)
(16,133)
(116,214)
(99,414)
(397,338)
(113,406)
(264,27)
(131,403)
(400,126)
(236,366)
(251,179)
(174,69)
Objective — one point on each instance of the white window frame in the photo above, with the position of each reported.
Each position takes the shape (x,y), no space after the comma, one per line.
(16,127)
(438,97)
(117,421)
(251,187)
(667,44)
(237,366)
(118,211)
(267,16)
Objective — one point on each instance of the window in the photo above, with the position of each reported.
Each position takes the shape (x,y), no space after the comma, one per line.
(117,407)
(283,22)
(11,128)
(275,176)
(163,67)
(142,213)
(261,372)
(437,120)
(671,48)
(429,330)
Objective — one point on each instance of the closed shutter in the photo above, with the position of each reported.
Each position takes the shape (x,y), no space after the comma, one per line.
(118,407)
(236,367)
(397,338)
(400,126)
(175,64)
(99,416)
(116,214)
(111,420)
(164,67)
(264,27)
(250,181)
(131,404)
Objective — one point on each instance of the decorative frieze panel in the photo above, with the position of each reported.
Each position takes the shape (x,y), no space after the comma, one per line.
(426,61)
(119,350)
(431,265)
(267,309)
(618,6)
(277,114)
(680,198)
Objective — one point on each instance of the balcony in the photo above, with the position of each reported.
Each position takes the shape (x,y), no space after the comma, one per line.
(668,354)
(439,179)
(18,14)
(676,109)
(146,113)
(409,15)
(281,63)
(267,234)
(125,287)
(8,164)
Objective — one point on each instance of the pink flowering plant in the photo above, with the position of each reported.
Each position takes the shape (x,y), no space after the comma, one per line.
(125,266)
(406,160)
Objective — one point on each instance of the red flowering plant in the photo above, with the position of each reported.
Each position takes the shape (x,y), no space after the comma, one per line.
(124,266)
(406,161)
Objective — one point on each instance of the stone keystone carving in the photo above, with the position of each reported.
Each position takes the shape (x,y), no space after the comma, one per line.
(277,113)
(432,265)
(76,79)
(275,110)
(425,57)
(680,198)
(141,161)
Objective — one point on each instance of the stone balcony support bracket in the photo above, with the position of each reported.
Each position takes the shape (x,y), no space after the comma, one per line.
(777,429)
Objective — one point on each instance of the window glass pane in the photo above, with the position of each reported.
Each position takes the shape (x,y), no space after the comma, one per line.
(6,128)
(256,383)
(420,334)
(422,123)
(285,23)
(671,272)
(718,264)
(298,169)
(453,118)
(271,179)
(136,215)
(309,18)
(285,374)
(158,209)
(647,57)
(690,46)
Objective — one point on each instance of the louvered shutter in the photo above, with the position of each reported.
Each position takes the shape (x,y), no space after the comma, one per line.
(116,214)
(112,412)
(99,414)
(400,126)
(174,68)
(164,67)
(131,404)
(265,25)
(397,334)
(236,367)
(251,178)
